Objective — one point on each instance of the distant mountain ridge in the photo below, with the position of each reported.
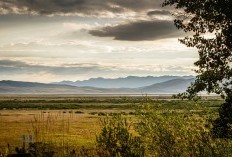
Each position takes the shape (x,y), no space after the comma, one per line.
(171,86)
(127,82)
(17,87)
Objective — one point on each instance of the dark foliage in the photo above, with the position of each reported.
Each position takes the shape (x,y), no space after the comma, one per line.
(213,18)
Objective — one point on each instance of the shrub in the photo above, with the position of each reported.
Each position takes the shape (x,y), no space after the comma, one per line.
(172,134)
(116,140)
(79,112)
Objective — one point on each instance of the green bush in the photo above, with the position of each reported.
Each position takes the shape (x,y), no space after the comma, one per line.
(173,134)
(115,140)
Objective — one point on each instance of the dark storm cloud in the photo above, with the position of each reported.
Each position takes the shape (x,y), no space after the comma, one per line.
(88,7)
(140,30)
(134,31)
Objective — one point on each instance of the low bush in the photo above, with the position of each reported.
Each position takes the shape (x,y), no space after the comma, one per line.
(116,140)
(172,135)
(79,112)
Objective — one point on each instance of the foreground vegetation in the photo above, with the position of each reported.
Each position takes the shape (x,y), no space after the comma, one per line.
(113,126)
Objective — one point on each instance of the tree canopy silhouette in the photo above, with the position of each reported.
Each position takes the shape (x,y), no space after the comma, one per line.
(210,24)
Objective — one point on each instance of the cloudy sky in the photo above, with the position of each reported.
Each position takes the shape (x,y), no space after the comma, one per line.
(55,40)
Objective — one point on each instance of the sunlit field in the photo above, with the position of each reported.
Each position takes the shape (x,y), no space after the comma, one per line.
(76,127)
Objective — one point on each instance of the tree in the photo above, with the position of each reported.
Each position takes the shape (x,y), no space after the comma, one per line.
(210,23)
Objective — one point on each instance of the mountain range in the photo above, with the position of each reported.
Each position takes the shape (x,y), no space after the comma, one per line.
(161,85)
(128,82)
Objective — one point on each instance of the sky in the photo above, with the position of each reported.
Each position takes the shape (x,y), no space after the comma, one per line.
(55,40)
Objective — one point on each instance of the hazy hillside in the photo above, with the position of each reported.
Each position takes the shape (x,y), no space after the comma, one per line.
(128,82)
(17,87)
(37,88)
(171,86)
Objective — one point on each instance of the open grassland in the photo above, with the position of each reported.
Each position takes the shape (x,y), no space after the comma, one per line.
(78,129)
(73,122)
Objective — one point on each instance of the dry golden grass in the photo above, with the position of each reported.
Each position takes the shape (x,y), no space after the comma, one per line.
(59,126)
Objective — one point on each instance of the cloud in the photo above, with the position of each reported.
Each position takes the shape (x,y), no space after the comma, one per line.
(9,63)
(19,67)
(159,12)
(86,7)
(139,30)
(146,25)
